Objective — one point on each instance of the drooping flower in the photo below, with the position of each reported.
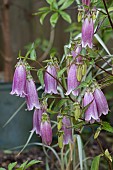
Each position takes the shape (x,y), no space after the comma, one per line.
(32,96)
(91,114)
(72,81)
(101,102)
(76,51)
(19,80)
(87,32)
(50,81)
(46,130)
(66,127)
(86,2)
(37,116)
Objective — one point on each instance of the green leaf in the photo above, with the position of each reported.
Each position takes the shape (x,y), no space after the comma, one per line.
(95,163)
(61,2)
(33,52)
(33,162)
(44,9)
(66,4)
(11,165)
(107,154)
(40,76)
(79,125)
(54,19)
(65,16)
(2,169)
(61,72)
(49,1)
(106,126)
(43,17)
(60,104)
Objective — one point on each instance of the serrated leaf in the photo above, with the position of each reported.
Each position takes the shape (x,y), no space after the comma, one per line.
(40,76)
(65,16)
(97,132)
(43,17)
(107,154)
(61,72)
(106,126)
(95,163)
(11,165)
(60,104)
(33,162)
(66,4)
(54,19)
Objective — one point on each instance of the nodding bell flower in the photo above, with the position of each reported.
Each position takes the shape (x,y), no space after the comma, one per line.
(86,2)
(87,32)
(76,51)
(101,102)
(66,127)
(37,116)
(49,81)
(46,130)
(72,81)
(32,96)
(19,80)
(91,114)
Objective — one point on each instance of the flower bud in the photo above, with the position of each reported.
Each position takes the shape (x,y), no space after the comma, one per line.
(19,80)
(32,96)
(79,16)
(59,120)
(50,80)
(60,139)
(77,111)
(86,2)
(84,68)
(79,72)
(46,130)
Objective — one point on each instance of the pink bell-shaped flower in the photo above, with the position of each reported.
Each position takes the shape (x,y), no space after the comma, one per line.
(72,81)
(101,102)
(87,32)
(91,114)
(37,116)
(32,96)
(50,81)
(46,130)
(19,80)
(86,2)
(67,136)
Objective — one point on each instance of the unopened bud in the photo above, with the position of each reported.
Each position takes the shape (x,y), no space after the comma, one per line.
(79,16)
(79,72)
(59,120)
(60,139)
(84,68)
(77,111)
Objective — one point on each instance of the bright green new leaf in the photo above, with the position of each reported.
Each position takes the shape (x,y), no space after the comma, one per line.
(44,9)
(61,72)
(106,126)
(40,76)
(43,17)
(65,16)
(95,163)
(11,165)
(2,169)
(49,1)
(32,163)
(54,19)
(66,4)
(61,2)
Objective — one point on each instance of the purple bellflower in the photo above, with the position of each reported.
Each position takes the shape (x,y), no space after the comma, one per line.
(101,102)
(76,51)
(49,81)
(32,96)
(91,114)
(46,130)
(37,116)
(67,136)
(19,80)
(86,2)
(72,81)
(87,32)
